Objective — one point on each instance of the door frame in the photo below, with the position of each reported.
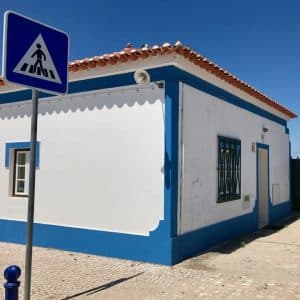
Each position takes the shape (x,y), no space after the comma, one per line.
(267,148)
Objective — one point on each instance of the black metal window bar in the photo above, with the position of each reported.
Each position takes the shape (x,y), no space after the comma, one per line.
(229,169)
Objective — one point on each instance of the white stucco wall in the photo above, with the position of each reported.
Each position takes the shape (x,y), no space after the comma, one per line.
(101,159)
(205,117)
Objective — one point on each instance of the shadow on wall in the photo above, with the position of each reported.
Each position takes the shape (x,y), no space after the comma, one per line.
(200,260)
(82,102)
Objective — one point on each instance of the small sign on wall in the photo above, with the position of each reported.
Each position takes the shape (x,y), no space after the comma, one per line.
(246,201)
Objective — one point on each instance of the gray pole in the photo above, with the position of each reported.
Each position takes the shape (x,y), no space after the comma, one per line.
(30,209)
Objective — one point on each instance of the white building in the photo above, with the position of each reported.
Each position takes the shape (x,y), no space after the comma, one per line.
(153,172)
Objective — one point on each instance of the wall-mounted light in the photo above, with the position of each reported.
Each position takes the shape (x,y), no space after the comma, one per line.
(141,77)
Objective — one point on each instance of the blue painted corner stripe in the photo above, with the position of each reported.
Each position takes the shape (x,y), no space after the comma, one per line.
(171,153)
(287,131)
(20,145)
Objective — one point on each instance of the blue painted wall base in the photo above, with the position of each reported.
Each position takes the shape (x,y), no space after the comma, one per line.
(197,241)
(151,248)
(154,248)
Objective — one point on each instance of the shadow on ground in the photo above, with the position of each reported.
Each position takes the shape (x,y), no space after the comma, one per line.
(200,260)
(101,287)
(235,244)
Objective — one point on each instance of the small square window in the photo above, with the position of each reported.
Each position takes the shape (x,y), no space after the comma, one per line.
(229,169)
(21,173)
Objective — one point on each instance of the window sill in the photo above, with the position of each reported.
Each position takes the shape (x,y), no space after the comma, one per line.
(16,197)
(229,200)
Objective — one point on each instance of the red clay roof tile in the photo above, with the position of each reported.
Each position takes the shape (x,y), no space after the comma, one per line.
(130,53)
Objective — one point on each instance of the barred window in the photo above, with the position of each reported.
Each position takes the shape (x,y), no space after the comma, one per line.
(229,169)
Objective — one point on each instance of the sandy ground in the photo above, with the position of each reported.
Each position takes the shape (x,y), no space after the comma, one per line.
(265,265)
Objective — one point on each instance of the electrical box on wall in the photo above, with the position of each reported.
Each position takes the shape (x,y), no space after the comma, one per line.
(246,201)
(247,197)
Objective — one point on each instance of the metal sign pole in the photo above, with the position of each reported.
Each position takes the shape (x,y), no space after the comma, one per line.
(35,55)
(30,209)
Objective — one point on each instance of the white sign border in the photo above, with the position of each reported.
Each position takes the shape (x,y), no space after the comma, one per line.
(4,52)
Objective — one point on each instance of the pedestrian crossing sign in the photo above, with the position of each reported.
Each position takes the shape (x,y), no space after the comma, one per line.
(34,54)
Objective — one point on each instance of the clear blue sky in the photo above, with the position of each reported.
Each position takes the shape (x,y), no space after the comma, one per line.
(258,40)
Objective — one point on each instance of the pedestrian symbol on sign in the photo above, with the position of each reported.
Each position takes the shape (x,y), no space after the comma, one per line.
(37,62)
(39,55)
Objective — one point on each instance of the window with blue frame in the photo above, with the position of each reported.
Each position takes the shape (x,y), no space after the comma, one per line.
(229,169)
(17,162)
(21,173)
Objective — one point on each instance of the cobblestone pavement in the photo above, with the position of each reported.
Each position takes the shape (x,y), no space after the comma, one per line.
(265,265)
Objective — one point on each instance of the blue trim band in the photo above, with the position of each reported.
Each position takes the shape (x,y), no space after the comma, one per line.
(171,153)
(172,72)
(279,211)
(153,248)
(263,146)
(21,145)
(197,241)
(156,74)
(232,99)
(202,239)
